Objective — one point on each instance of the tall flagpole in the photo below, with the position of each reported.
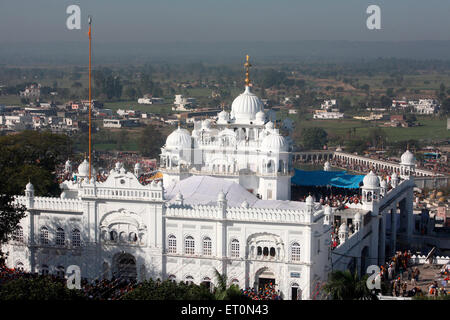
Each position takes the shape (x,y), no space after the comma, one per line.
(90,98)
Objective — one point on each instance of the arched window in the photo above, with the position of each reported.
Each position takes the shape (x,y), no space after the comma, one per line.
(265,251)
(18,234)
(44,235)
(207,246)
(44,270)
(272,252)
(295,252)
(123,237)
(235,282)
(206,282)
(172,278)
(60,237)
(133,237)
(19,266)
(172,244)
(189,245)
(76,238)
(235,250)
(189,280)
(259,251)
(113,236)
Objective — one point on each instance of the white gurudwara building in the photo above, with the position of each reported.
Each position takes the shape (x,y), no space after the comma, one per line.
(224,203)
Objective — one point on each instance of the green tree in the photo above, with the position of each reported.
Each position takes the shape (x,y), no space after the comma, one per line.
(10,216)
(377,137)
(313,138)
(343,285)
(222,292)
(42,288)
(32,156)
(150,142)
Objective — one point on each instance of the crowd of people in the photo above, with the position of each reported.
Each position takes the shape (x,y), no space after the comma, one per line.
(399,271)
(333,196)
(268,292)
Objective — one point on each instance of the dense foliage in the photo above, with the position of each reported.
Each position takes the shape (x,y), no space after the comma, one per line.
(343,285)
(32,156)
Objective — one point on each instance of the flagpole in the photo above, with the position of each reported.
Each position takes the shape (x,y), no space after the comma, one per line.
(90,98)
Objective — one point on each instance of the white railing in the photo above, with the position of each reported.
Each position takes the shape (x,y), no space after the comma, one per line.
(53,204)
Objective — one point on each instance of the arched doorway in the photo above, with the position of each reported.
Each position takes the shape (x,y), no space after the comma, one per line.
(296,292)
(125,266)
(265,277)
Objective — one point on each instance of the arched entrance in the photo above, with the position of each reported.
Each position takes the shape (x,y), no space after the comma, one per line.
(125,266)
(264,277)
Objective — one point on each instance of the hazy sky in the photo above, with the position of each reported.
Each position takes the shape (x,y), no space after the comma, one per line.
(224,20)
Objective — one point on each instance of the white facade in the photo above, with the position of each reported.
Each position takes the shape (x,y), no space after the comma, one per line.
(224,203)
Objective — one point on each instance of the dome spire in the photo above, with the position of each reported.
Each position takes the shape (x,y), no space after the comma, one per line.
(247,66)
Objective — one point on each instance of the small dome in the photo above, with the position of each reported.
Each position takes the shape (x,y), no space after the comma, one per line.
(326,166)
(246,105)
(338,149)
(309,200)
(269,125)
(274,142)
(63,195)
(327,210)
(343,228)
(260,116)
(371,180)
(179,138)
(408,158)
(29,187)
(118,165)
(137,166)
(224,116)
(83,168)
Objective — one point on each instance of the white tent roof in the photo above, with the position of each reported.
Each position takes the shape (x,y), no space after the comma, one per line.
(205,189)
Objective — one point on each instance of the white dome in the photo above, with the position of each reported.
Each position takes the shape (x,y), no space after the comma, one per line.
(260,116)
(274,142)
(326,166)
(246,105)
(83,168)
(309,200)
(327,210)
(244,204)
(408,158)
(223,115)
(269,125)
(29,187)
(371,180)
(179,138)
(137,165)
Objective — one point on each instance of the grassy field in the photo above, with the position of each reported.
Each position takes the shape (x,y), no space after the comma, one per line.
(431,129)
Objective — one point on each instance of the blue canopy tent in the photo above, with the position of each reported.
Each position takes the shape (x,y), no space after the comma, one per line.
(339,179)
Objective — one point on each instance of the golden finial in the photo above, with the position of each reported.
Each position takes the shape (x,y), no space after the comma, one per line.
(247,66)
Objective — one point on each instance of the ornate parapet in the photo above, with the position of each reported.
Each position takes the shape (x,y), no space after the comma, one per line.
(52,204)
